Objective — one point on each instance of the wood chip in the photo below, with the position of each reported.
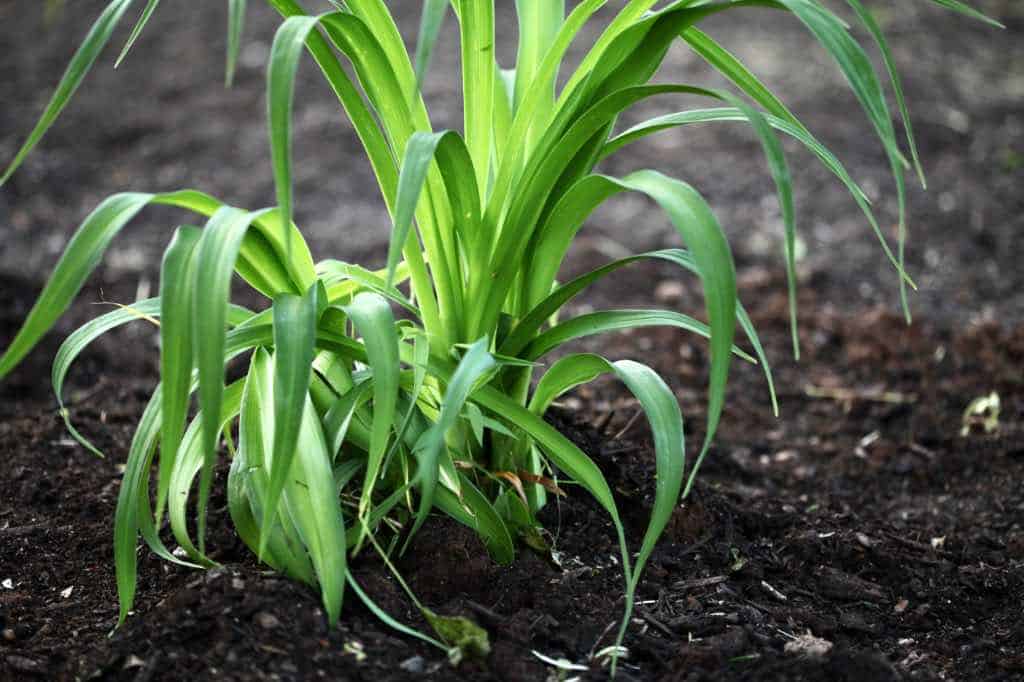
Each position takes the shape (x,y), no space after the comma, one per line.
(700,582)
(808,646)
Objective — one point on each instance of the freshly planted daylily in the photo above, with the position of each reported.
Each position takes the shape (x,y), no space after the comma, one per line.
(351,426)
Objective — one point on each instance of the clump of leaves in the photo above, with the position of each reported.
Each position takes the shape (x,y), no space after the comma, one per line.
(352,426)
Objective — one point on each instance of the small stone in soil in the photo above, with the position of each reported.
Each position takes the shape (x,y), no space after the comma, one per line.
(133,662)
(669,290)
(23,664)
(809,646)
(415,665)
(267,621)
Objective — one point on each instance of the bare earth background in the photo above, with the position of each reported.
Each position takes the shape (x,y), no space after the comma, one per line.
(163,122)
(791,498)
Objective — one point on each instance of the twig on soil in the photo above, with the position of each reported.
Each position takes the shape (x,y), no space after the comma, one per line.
(625,429)
(666,630)
(850,395)
(603,422)
(625,449)
(774,592)
(485,613)
(922,450)
(101,385)
(604,633)
(20,531)
(919,546)
(700,582)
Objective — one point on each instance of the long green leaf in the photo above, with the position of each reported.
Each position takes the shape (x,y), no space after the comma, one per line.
(660,407)
(604,321)
(541,177)
(366,126)
(967,10)
(875,30)
(72,347)
(449,150)
(516,144)
(419,152)
(795,130)
(249,477)
(476,23)
(236,24)
(216,254)
(701,232)
(177,277)
(318,513)
(383,76)
(283,64)
(93,236)
(728,65)
(539,23)
(662,410)
(126,524)
(295,321)
(188,464)
(779,170)
(474,364)
(137,30)
(310,498)
(626,18)
(780,174)
(831,33)
(377,17)
(430,26)
(80,339)
(374,321)
(731,67)
(527,328)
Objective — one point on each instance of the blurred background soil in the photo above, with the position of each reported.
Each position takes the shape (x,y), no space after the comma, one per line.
(163,121)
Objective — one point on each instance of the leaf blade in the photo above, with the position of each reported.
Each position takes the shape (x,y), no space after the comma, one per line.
(295,321)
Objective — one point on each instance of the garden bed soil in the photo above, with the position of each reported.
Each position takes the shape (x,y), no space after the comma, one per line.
(861,523)
(858,536)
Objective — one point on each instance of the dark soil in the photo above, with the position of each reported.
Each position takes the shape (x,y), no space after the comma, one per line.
(859,536)
(865,519)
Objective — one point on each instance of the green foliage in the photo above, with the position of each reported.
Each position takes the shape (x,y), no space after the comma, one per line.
(352,426)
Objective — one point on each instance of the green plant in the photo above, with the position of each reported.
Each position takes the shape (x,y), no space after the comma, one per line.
(351,425)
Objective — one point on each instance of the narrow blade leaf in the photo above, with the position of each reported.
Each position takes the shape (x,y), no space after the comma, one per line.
(295,321)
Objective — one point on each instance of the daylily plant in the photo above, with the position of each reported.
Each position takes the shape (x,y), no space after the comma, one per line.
(350,425)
